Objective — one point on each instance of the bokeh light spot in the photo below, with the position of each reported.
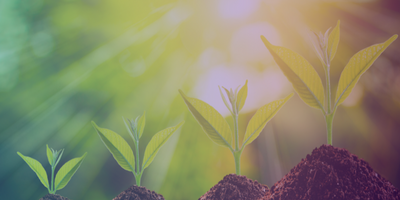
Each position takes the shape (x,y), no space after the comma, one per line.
(237,8)
(246,45)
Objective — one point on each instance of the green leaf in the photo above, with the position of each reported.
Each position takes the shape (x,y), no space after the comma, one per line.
(210,120)
(37,168)
(241,97)
(118,147)
(260,119)
(67,171)
(333,41)
(140,124)
(155,143)
(50,156)
(129,130)
(59,154)
(357,65)
(224,99)
(300,73)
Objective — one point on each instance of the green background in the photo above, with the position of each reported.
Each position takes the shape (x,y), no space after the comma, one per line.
(65,63)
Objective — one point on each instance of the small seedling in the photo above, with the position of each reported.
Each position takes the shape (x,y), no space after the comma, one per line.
(122,152)
(63,175)
(218,129)
(308,84)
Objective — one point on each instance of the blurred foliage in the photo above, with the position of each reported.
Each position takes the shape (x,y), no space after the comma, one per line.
(65,63)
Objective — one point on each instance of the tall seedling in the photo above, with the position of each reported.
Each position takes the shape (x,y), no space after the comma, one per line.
(308,84)
(218,129)
(123,153)
(64,174)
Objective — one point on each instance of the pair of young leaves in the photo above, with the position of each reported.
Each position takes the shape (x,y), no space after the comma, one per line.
(63,176)
(217,128)
(121,150)
(305,79)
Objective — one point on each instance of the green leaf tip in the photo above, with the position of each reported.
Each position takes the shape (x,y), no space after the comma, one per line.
(289,96)
(393,38)
(224,100)
(130,130)
(241,96)
(141,124)
(236,99)
(266,42)
(94,124)
(50,155)
(333,42)
(181,93)
(136,127)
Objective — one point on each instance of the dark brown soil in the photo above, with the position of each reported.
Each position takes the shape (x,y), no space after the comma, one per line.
(53,197)
(234,187)
(138,193)
(332,173)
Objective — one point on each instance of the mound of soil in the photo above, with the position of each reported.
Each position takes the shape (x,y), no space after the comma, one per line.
(138,193)
(332,173)
(235,187)
(53,197)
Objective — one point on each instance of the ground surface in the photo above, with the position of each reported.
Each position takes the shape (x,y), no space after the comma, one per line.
(138,193)
(53,197)
(332,173)
(234,187)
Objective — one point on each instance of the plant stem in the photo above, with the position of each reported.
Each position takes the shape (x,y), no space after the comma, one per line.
(328,88)
(329,122)
(328,115)
(139,173)
(138,177)
(237,155)
(236,118)
(237,152)
(52,178)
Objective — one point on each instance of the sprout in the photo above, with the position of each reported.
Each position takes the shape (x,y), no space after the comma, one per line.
(63,176)
(218,129)
(306,80)
(122,152)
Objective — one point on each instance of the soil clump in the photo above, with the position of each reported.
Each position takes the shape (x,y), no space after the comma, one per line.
(138,193)
(332,173)
(235,187)
(53,197)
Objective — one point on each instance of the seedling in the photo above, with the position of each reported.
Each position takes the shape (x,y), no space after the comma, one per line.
(308,84)
(218,129)
(63,175)
(122,152)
